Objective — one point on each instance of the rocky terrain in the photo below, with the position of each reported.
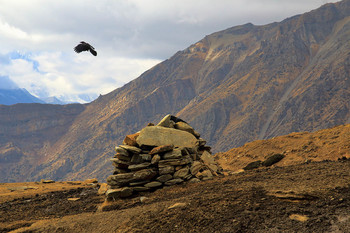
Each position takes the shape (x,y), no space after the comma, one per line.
(235,86)
(303,147)
(292,195)
(311,197)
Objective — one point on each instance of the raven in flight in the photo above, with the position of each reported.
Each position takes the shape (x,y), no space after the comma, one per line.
(83,46)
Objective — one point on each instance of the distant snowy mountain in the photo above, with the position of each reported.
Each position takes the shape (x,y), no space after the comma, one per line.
(79,98)
(10,94)
(19,95)
(53,100)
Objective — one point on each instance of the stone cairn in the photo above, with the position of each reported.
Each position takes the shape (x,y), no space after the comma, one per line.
(165,154)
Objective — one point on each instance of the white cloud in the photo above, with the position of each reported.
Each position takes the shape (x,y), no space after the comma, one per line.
(130,37)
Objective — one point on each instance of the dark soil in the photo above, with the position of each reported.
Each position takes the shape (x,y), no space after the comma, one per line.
(313,197)
(48,205)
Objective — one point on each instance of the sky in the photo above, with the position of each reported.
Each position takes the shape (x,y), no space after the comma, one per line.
(37,38)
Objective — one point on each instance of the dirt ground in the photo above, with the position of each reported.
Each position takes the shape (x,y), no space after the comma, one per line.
(310,197)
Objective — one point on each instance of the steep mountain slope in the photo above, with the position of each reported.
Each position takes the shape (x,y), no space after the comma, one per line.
(238,85)
(27,132)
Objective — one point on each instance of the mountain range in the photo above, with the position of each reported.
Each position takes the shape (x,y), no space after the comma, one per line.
(10,94)
(21,95)
(18,95)
(234,86)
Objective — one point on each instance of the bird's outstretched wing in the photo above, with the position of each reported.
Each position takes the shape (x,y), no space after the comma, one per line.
(93,51)
(83,46)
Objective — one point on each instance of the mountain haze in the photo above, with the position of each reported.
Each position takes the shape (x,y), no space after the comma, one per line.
(241,84)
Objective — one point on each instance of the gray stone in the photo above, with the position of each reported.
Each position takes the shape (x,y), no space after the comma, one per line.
(135,167)
(153,184)
(140,189)
(185,127)
(182,173)
(214,168)
(272,160)
(253,165)
(201,142)
(119,161)
(194,180)
(174,181)
(136,158)
(155,159)
(194,157)
(118,193)
(207,178)
(161,149)
(176,162)
(158,136)
(122,157)
(196,134)
(188,176)
(196,167)
(119,171)
(165,122)
(145,174)
(191,150)
(166,169)
(209,160)
(132,149)
(139,183)
(164,178)
(174,154)
(146,157)
(120,179)
(121,151)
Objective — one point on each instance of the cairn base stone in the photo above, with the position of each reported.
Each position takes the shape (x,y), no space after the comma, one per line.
(118,193)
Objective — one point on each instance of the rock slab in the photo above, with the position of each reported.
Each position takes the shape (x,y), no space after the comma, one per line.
(159,136)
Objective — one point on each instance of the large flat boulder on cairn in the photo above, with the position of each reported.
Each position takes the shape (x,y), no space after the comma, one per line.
(166,154)
(158,136)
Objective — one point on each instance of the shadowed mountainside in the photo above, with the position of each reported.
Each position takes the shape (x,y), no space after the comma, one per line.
(241,84)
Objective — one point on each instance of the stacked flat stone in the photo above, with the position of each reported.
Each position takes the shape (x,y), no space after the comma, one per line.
(169,153)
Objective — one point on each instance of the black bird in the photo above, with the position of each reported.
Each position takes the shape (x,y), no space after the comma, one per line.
(83,46)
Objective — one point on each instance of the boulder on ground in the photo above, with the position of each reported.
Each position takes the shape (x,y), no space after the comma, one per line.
(272,160)
(253,165)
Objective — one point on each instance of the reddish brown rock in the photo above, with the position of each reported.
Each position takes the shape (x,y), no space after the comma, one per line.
(130,140)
